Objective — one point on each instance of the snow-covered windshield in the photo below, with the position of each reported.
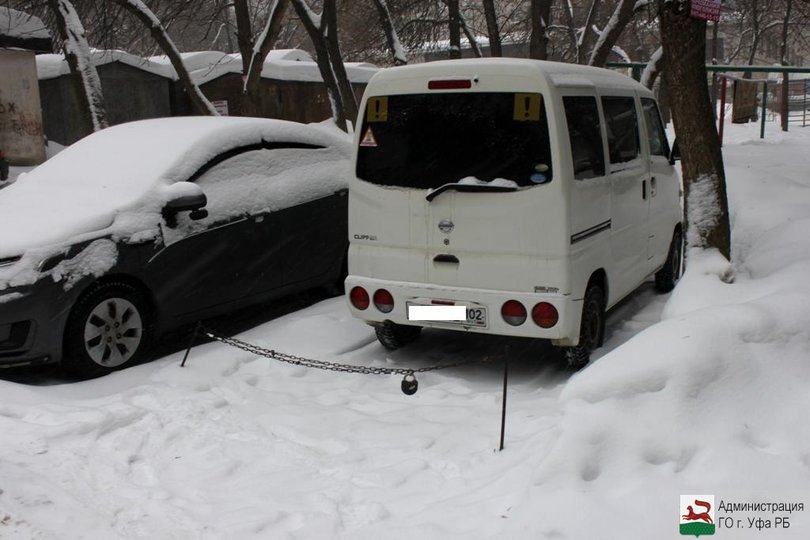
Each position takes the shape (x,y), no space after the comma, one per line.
(427,140)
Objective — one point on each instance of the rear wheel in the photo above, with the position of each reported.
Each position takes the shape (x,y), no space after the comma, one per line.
(591,329)
(393,336)
(108,329)
(667,277)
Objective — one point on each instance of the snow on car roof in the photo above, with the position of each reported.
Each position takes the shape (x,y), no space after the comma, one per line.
(82,188)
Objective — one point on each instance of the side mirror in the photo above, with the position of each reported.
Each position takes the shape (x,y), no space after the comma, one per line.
(194,204)
(675,153)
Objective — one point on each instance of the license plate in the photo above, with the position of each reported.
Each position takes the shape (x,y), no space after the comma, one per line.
(476,315)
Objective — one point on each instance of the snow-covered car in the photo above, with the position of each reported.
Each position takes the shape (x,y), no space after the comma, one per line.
(145,226)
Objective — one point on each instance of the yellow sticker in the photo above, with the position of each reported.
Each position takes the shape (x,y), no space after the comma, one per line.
(377,109)
(527,107)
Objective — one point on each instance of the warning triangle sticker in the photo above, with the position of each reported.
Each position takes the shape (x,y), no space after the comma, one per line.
(368,139)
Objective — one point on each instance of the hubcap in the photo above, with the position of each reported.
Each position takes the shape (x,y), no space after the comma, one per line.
(113,332)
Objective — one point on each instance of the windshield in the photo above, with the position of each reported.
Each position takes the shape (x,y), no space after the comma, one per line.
(427,140)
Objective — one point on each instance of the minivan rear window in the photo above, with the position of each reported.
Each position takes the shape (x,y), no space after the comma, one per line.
(424,141)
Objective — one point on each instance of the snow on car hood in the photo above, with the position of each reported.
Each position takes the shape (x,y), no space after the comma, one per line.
(92,188)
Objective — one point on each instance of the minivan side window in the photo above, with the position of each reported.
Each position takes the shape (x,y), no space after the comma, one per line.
(585,136)
(622,128)
(655,128)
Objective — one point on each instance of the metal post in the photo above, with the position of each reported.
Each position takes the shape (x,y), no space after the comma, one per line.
(503,403)
(722,108)
(785,101)
(191,343)
(764,105)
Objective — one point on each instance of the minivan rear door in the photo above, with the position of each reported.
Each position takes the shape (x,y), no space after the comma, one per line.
(466,161)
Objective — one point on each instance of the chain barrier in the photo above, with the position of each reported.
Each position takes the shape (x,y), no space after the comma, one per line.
(409,382)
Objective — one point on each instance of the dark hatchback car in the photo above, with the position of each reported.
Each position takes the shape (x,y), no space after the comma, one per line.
(145,226)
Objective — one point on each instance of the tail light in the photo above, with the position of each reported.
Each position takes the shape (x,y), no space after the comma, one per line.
(545,315)
(513,312)
(359,298)
(449,84)
(383,300)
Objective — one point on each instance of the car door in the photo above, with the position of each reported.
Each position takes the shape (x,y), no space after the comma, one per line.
(630,199)
(664,186)
(230,256)
(314,239)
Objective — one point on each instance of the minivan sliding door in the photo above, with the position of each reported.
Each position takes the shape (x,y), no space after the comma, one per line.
(630,193)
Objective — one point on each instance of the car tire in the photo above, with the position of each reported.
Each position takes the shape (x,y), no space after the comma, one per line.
(109,328)
(592,328)
(667,277)
(394,336)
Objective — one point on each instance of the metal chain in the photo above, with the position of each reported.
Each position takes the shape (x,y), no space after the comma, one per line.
(332,366)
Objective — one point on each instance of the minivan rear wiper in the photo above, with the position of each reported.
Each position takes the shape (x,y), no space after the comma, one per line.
(469,188)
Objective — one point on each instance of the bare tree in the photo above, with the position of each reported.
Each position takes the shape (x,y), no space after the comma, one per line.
(391,36)
(540,18)
(139,10)
(254,50)
(621,16)
(706,205)
(783,58)
(83,71)
(454,21)
(323,32)
(493,31)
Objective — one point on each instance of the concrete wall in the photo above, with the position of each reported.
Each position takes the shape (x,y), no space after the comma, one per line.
(20,111)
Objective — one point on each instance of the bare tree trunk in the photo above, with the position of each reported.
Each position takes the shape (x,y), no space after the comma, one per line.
(568,10)
(244,32)
(391,37)
(493,31)
(755,36)
(540,17)
(783,47)
(476,49)
(586,38)
(317,27)
(336,60)
(455,28)
(83,73)
(653,69)
(619,20)
(257,55)
(706,206)
(150,21)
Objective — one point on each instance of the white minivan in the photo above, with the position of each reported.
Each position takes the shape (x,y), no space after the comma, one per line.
(508,196)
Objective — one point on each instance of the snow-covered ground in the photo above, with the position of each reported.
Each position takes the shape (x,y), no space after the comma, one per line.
(701,391)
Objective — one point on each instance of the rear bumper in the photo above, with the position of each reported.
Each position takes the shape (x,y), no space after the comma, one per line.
(565,332)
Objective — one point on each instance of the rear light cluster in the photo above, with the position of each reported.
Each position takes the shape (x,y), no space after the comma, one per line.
(544,314)
(513,312)
(383,300)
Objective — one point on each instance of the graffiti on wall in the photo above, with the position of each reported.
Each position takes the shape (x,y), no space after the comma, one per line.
(21,132)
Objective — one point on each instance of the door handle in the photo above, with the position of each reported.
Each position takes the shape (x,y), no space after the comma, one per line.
(644,189)
(445,258)
(653,189)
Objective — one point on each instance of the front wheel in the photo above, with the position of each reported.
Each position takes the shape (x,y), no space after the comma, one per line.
(591,328)
(667,277)
(108,329)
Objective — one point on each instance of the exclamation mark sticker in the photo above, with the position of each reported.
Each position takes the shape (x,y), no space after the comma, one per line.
(527,107)
(377,109)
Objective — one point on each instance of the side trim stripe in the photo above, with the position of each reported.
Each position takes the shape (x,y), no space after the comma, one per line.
(587,233)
